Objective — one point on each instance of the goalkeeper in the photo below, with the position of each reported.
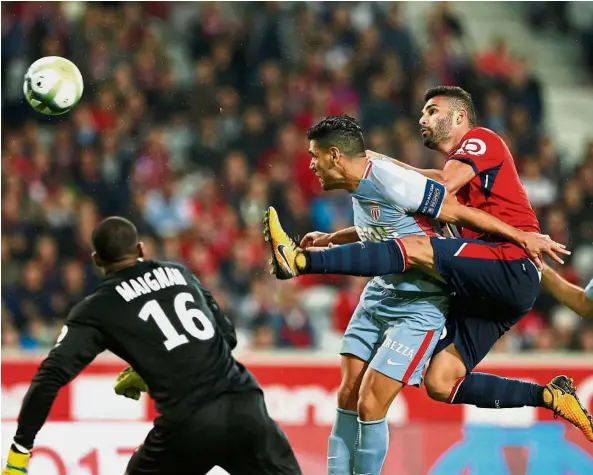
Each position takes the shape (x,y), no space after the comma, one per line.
(157,317)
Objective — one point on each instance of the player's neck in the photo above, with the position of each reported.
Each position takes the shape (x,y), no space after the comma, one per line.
(119,266)
(448,146)
(355,174)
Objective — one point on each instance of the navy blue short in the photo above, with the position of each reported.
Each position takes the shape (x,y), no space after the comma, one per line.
(494,285)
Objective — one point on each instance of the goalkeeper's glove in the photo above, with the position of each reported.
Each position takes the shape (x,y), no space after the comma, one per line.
(17,462)
(129,384)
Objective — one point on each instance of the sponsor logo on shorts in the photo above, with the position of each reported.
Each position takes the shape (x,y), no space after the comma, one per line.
(398,348)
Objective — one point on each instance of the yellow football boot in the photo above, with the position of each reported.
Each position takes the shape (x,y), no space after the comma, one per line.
(560,397)
(285,252)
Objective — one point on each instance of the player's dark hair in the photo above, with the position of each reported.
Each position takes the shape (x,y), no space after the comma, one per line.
(114,239)
(458,98)
(340,131)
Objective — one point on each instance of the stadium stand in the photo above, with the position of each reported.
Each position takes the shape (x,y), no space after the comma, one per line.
(192,123)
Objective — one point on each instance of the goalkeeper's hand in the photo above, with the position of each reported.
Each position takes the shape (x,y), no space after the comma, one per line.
(17,462)
(129,384)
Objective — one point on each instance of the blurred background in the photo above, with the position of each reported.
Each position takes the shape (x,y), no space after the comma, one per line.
(193,121)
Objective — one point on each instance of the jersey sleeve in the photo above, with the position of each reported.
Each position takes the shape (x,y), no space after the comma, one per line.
(481,149)
(79,342)
(407,189)
(589,290)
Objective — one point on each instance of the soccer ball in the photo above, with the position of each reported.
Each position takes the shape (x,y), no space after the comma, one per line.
(53,85)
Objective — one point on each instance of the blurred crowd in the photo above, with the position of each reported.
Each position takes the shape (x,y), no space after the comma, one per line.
(566,18)
(193,121)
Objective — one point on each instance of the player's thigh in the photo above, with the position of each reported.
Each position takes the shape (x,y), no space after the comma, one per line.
(473,329)
(360,342)
(445,369)
(364,332)
(406,349)
(498,273)
(377,392)
(155,456)
(353,370)
(261,447)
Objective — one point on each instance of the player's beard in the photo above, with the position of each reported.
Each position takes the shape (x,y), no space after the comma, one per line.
(440,133)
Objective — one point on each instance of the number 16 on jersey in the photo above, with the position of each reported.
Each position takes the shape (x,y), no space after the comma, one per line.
(187,317)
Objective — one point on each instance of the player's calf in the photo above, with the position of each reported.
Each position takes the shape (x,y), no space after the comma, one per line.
(344,435)
(376,395)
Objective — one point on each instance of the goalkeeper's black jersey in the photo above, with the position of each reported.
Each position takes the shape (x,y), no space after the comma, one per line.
(158,318)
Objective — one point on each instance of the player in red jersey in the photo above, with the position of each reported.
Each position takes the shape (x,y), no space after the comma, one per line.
(494,282)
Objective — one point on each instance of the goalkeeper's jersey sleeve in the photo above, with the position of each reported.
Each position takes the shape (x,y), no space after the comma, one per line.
(79,342)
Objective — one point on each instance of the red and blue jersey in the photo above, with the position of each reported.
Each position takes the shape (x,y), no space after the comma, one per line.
(496,188)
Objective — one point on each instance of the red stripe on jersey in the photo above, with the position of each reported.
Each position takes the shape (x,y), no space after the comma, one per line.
(419,355)
(501,252)
(367,170)
(425,225)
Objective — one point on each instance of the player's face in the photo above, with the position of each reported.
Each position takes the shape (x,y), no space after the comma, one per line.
(323,164)
(436,122)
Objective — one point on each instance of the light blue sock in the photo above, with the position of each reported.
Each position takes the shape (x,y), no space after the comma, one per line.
(342,443)
(372,447)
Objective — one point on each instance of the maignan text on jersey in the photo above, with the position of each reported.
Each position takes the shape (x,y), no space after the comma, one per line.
(158,279)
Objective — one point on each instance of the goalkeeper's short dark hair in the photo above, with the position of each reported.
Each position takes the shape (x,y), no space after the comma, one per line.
(115,239)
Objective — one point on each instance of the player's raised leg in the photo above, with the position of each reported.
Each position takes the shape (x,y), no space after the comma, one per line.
(450,377)
(364,259)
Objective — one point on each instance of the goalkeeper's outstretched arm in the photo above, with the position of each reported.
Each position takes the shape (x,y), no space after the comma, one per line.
(78,345)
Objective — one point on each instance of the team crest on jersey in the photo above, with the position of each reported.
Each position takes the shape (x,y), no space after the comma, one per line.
(375,211)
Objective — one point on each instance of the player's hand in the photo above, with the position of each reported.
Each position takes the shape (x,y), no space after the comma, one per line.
(16,463)
(129,384)
(315,238)
(536,244)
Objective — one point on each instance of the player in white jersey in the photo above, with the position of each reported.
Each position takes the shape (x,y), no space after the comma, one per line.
(397,323)
(399,318)
(576,298)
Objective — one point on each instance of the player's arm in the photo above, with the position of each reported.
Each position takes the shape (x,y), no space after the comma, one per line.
(417,194)
(319,239)
(455,175)
(535,244)
(78,344)
(574,297)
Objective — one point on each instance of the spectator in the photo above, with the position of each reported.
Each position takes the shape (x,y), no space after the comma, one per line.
(193,135)
(166,211)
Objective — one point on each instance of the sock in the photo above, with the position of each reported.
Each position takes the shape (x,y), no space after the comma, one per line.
(361,258)
(491,391)
(372,447)
(342,443)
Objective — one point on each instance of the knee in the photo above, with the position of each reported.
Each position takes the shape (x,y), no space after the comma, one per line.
(415,241)
(418,249)
(438,387)
(347,397)
(369,407)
